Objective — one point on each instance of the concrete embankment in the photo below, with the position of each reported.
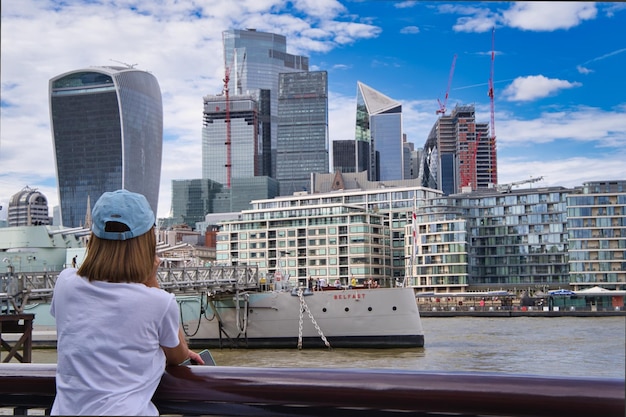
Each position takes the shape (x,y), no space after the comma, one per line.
(519,313)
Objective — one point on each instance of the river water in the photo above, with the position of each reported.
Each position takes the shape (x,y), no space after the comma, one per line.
(550,346)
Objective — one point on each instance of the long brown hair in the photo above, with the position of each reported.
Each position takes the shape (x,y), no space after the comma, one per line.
(129,260)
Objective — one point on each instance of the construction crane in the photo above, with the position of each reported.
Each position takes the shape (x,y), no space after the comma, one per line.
(227,120)
(442,106)
(507,187)
(494,169)
(228,143)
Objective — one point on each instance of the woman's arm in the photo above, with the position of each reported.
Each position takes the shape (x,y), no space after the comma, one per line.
(180,353)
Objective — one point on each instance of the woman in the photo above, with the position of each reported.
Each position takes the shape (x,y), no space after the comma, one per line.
(116,330)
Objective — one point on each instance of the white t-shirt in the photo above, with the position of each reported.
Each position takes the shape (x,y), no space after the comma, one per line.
(108,345)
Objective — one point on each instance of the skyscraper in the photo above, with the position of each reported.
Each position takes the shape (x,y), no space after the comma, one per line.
(302,129)
(28,207)
(244,133)
(379,122)
(192,199)
(254,60)
(107,132)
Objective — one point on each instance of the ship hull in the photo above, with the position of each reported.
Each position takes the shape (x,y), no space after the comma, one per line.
(350,318)
(347,318)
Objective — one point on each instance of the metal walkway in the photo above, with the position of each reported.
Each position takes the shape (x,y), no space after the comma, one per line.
(215,279)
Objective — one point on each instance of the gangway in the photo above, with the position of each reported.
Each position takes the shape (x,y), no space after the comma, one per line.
(213,279)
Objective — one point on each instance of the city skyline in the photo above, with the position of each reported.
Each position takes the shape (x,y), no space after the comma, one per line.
(559,98)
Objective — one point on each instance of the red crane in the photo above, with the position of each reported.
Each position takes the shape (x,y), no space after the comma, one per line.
(494,170)
(442,106)
(227,143)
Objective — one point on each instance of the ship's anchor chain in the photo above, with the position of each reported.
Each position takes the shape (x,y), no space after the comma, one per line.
(304,307)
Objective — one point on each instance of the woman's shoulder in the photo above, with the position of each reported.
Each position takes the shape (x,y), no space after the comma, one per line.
(67,274)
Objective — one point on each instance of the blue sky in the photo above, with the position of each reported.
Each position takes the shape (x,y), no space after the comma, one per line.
(560,94)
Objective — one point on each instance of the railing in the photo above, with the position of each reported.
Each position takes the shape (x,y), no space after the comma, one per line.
(40,285)
(239,391)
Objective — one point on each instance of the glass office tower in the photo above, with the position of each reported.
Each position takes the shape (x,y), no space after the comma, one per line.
(107,132)
(255,59)
(379,122)
(302,129)
(193,199)
(244,132)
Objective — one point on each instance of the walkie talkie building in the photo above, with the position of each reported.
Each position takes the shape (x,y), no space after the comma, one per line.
(107,132)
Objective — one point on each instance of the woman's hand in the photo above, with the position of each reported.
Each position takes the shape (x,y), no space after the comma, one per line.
(196,357)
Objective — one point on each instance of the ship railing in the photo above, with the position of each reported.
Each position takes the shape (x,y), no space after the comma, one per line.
(246,391)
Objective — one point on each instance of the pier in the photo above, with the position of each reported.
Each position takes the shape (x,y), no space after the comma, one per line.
(21,324)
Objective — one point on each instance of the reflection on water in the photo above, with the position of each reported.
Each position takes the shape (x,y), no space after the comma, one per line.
(563,346)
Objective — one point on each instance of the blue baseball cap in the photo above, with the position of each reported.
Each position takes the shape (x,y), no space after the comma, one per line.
(121,206)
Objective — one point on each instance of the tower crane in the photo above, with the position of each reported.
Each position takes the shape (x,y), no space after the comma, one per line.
(228,143)
(507,187)
(494,166)
(228,164)
(442,106)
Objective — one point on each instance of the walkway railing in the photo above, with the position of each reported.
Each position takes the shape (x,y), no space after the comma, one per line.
(40,285)
(243,391)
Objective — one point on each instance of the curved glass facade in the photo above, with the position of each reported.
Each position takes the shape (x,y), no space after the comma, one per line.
(107,128)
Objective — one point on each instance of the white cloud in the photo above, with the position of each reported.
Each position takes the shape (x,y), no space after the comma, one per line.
(548,16)
(583,70)
(564,172)
(533,16)
(341,66)
(612,8)
(327,9)
(583,125)
(534,87)
(405,4)
(477,24)
(410,30)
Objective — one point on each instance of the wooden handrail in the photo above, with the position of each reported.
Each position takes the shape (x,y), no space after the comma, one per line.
(238,391)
